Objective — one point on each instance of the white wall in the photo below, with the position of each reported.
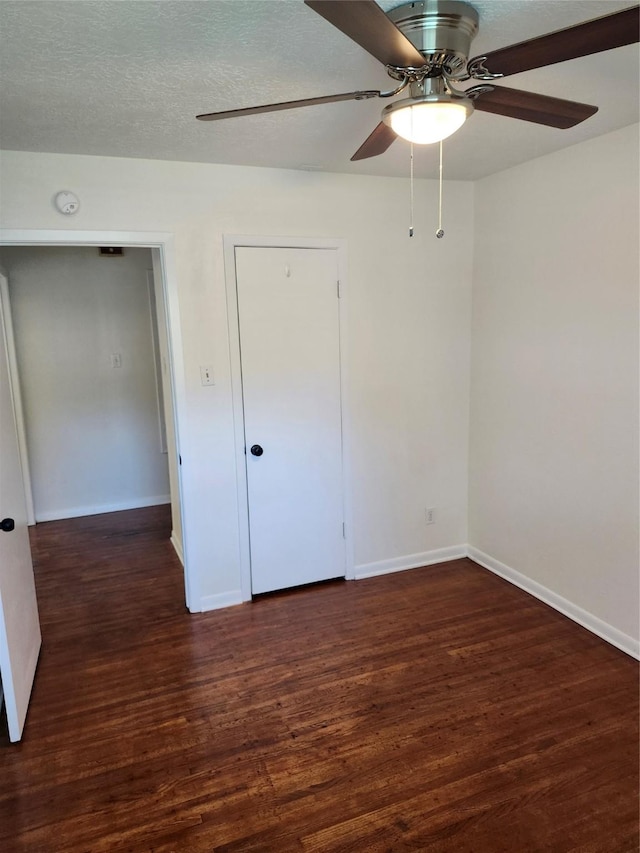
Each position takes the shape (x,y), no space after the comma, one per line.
(92,429)
(553,473)
(554,403)
(409,316)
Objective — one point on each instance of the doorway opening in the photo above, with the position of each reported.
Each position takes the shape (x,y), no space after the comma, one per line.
(132,334)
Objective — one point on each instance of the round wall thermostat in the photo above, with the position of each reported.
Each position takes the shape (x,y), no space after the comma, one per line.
(67,202)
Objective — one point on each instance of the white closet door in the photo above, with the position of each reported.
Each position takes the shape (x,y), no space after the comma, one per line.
(290,353)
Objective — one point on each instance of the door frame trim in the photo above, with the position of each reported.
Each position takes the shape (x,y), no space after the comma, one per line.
(230,243)
(163,243)
(16,395)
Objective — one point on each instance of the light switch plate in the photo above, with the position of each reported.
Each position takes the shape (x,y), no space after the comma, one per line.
(206,375)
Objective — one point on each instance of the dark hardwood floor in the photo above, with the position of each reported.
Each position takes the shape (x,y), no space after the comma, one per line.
(431,710)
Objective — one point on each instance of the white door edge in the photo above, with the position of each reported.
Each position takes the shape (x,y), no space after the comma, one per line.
(14,724)
(164,243)
(231,242)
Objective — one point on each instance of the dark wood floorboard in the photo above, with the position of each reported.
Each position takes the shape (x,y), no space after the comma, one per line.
(431,710)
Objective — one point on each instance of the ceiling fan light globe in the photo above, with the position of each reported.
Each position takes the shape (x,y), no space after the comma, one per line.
(426,122)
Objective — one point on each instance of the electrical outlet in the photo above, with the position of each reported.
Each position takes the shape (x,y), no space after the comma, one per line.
(116,359)
(430,515)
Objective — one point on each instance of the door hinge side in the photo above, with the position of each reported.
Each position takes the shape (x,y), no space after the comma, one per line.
(344,530)
(339,289)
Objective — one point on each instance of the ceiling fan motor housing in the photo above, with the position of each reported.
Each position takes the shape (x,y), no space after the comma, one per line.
(442,30)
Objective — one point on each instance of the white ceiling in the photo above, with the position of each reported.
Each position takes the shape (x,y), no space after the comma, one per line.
(125,78)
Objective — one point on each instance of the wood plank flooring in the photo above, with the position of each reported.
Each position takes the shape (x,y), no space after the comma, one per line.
(432,710)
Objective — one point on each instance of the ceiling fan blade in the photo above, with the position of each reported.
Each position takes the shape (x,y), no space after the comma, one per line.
(290,105)
(530,106)
(366,23)
(615,30)
(376,143)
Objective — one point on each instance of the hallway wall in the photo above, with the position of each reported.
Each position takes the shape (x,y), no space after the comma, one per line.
(84,346)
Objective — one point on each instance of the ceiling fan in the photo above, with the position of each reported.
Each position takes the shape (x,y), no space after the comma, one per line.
(425,46)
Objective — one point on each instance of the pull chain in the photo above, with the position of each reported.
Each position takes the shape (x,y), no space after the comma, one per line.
(440,232)
(411,192)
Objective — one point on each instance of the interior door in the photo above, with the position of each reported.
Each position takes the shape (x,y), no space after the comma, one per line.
(290,353)
(19,624)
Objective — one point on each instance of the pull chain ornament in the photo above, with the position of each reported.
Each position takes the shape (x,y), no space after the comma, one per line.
(440,232)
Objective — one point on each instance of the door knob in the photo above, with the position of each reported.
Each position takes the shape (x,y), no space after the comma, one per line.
(256,450)
(7,524)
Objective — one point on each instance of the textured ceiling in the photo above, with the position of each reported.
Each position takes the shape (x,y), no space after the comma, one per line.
(125,78)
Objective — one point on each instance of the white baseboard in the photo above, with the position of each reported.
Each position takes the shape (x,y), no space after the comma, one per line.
(222,599)
(409,561)
(563,605)
(592,623)
(177,546)
(98,509)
